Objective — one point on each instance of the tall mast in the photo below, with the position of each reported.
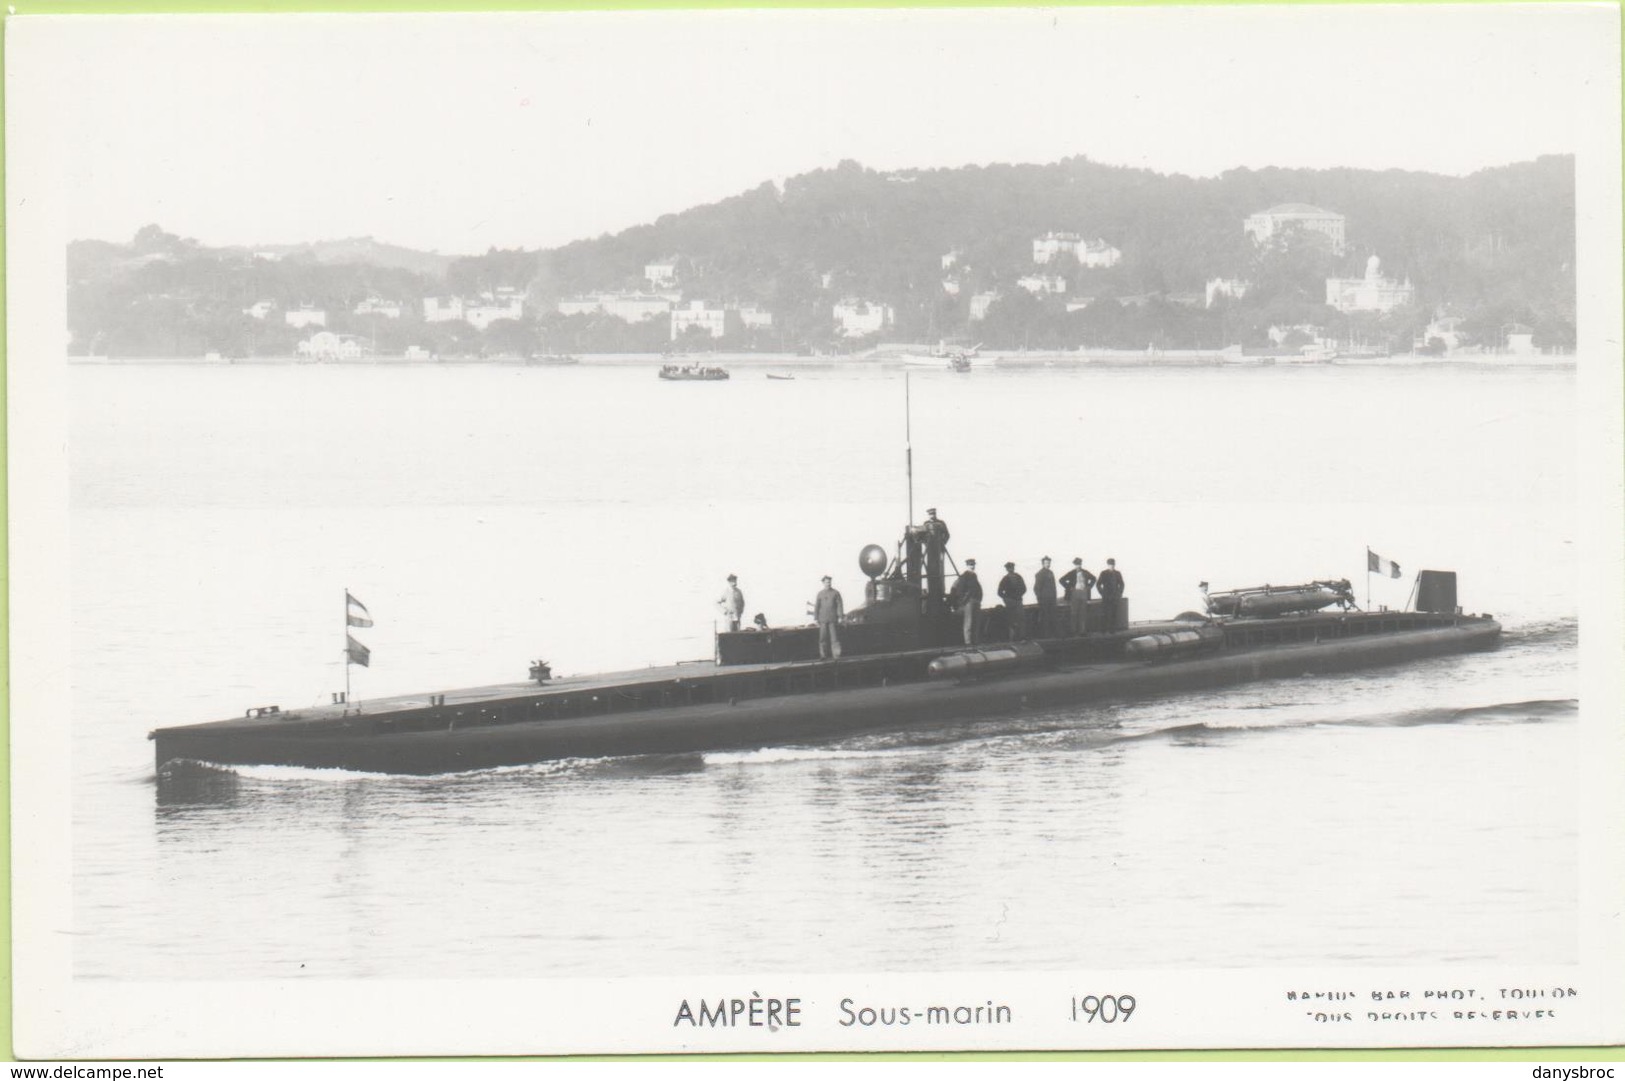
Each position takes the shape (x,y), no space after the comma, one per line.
(908,445)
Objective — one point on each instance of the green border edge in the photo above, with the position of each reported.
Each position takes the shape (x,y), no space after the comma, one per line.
(286,7)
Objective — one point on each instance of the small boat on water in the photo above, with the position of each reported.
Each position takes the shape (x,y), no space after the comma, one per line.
(548,360)
(693,372)
(945,358)
(904,663)
(776,375)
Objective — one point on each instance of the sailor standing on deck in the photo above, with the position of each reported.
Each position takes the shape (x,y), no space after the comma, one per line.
(1012,590)
(732,603)
(936,546)
(966,596)
(936,526)
(1079,584)
(1111,591)
(1044,591)
(829,610)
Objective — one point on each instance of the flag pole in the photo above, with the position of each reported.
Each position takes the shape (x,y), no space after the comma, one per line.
(347,649)
(1368,578)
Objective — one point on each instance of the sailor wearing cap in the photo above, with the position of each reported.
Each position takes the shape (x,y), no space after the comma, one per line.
(829,610)
(935,525)
(1079,585)
(1012,589)
(1111,591)
(966,597)
(1044,592)
(936,550)
(732,603)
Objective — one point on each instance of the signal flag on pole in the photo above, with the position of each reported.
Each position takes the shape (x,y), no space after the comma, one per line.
(355,613)
(356,653)
(1375,564)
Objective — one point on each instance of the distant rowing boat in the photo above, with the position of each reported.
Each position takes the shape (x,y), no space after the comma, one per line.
(692,372)
(776,375)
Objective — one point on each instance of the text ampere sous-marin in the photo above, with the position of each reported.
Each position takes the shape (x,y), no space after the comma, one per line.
(760,1011)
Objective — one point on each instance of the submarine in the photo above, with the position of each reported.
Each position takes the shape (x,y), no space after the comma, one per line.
(903,664)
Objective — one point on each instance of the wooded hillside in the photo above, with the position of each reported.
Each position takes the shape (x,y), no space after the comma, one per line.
(1494,248)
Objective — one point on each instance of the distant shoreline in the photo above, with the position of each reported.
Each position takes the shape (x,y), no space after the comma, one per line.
(887,360)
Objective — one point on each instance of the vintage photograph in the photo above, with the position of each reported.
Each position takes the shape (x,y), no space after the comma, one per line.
(908,529)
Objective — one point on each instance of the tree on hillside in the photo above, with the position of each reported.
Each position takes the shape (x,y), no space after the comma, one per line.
(496,269)
(511,336)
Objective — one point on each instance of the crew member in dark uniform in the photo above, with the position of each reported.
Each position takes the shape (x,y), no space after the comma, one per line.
(966,598)
(935,525)
(936,546)
(1079,585)
(1012,588)
(1044,592)
(1111,591)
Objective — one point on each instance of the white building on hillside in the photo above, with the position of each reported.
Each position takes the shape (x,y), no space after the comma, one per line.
(1520,340)
(1281,332)
(1042,284)
(634,307)
(442,309)
(1278,221)
(857,317)
(325,345)
(577,305)
(980,303)
(260,309)
(1446,328)
(1372,293)
(755,318)
(1226,287)
(627,307)
(714,321)
(1051,245)
(305,316)
(1098,253)
(389,309)
(505,303)
(662,273)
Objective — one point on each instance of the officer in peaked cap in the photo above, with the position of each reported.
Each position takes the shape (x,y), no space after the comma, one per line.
(732,603)
(829,610)
(1079,585)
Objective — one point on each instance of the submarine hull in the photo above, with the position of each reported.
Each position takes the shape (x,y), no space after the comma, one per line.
(696,708)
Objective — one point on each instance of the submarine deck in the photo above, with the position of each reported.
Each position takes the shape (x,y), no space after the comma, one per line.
(618,708)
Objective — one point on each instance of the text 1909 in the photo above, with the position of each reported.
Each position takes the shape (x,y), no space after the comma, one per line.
(1107,1009)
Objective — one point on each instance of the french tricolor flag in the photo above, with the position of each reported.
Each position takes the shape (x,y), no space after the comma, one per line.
(1376,564)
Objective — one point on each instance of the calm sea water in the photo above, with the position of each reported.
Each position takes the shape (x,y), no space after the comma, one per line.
(492,515)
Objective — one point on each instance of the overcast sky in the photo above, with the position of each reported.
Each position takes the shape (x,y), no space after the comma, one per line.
(458,132)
